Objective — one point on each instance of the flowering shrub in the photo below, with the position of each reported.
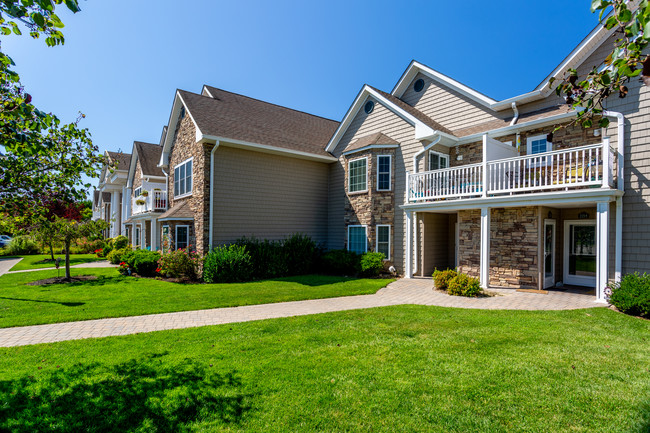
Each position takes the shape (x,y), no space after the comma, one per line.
(124,269)
(99,252)
(181,263)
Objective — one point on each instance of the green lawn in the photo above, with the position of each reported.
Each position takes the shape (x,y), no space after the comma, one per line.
(113,295)
(31,262)
(393,369)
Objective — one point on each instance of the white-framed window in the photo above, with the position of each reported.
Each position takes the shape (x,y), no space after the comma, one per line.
(183,178)
(358,175)
(538,144)
(357,239)
(137,191)
(182,237)
(383,172)
(165,239)
(138,235)
(383,240)
(438,161)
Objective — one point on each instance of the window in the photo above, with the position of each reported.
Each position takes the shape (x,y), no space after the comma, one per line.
(183,179)
(537,144)
(137,191)
(182,236)
(357,172)
(369,107)
(383,172)
(357,239)
(383,240)
(138,231)
(419,85)
(165,239)
(438,161)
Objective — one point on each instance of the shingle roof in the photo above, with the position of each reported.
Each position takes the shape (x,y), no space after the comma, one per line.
(414,112)
(123,159)
(181,210)
(527,117)
(369,140)
(149,156)
(239,117)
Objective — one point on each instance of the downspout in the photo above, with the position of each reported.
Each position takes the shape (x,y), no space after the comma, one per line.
(620,185)
(514,119)
(415,219)
(211,198)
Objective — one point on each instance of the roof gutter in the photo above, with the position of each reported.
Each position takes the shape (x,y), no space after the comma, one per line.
(268,149)
(514,109)
(417,155)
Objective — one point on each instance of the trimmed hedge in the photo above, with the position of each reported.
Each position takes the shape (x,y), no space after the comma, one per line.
(142,262)
(464,285)
(372,264)
(441,278)
(227,264)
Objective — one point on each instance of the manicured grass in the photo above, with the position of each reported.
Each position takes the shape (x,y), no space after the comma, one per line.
(31,262)
(393,369)
(113,295)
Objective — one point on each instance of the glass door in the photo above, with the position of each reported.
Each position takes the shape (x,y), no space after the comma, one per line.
(549,253)
(580,253)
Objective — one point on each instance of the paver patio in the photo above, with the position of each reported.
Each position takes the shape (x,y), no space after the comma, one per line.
(414,291)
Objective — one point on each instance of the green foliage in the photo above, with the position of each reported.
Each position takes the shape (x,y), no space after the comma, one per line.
(632,294)
(627,60)
(88,246)
(21,245)
(441,278)
(372,263)
(464,285)
(119,242)
(301,251)
(142,262)
(117,256)
(227,264)
(341,262)
(180,263)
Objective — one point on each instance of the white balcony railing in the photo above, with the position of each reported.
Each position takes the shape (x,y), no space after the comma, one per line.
(156,201)
(578,167)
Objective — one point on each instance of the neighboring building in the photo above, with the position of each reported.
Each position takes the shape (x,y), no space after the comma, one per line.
(434,174)
(108,197)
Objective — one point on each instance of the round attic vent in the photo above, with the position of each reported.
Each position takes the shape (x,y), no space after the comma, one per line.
(418,85)
(369,107)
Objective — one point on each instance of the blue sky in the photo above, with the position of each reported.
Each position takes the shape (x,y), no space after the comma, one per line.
(123,60)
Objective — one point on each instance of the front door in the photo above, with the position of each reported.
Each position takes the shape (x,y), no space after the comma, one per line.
(549,253)
(580,252)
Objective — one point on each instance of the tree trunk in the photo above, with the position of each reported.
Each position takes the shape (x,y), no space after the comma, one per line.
(51,251)
(67,260)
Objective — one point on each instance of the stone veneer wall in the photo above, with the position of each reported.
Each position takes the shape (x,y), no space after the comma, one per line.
(184,147)
(137,176)
(514,243)
(469,242)
(371,207)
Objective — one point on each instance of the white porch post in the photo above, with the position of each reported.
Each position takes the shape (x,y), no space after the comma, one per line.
(115,213)
(485,168)
(408,273)
(485,247)
(154,234)
(618,246)
(602,241)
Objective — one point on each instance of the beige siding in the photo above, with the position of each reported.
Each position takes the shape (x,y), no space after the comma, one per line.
(268,196)
(436,238)
(448,107)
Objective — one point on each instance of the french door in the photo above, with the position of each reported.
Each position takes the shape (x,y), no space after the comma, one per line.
(549,253)
(580,252)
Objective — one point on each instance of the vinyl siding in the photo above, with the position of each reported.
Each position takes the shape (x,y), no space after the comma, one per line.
(268,196)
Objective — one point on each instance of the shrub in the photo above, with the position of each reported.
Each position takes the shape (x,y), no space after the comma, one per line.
(142,262)
(227,264)
(21,245)
(341,262)
(119,242)
(180,263)
(464,285)
(300,252)
(87,246)
(441,278)
(632,295)
(372,264)
(117,256)
(268,259)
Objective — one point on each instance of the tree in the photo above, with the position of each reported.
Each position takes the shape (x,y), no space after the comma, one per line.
(67,231)
(45,229)
(625,62)
(41,154)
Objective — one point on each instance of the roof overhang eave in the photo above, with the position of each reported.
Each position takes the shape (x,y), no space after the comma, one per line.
(265,148)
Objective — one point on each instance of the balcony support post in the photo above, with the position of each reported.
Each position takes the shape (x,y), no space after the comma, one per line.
(606,173)
(408,273)
(485,172)
(485,247)
(602,243)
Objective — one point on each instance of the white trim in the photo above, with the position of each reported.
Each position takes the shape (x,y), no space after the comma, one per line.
(206,90)
(370,147)
(577,279)
(602,250)
(138,228)
(549,283)
(176,219)
(422,130)
(348,176)
(390,172)
(173,121)
(408,258)
(176,236)
(162,236)
(377,238)
(186,194)
(549,144)
(365,228)
(265,148)
(440,155)
(485,248)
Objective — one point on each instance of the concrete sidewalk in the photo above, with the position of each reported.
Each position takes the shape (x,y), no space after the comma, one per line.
(6,264)
(413,291)
(97,264)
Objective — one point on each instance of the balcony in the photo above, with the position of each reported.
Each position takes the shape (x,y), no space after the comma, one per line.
(561,170)
(156,201)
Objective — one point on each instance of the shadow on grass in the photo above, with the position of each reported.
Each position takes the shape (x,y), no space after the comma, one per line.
(644,426)
(65,304)
(138,395)
(314,280)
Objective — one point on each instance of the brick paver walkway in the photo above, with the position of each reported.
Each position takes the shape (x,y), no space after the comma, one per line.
(414,291)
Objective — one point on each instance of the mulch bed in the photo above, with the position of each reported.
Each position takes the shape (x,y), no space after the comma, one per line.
(61,280)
